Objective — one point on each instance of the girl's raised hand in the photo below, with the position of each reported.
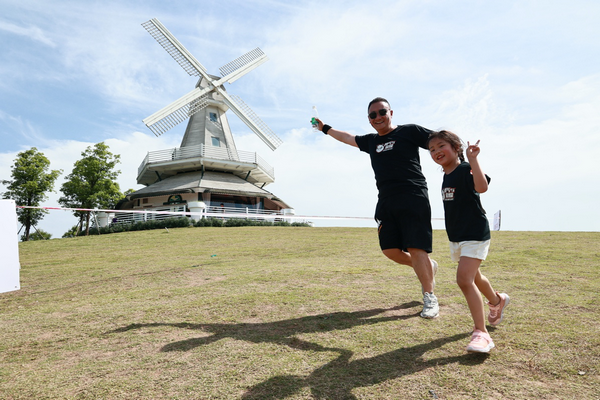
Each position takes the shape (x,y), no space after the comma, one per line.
(473,150)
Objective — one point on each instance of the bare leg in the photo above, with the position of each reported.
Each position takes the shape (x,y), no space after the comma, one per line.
(468,269)
(399,256)
(423,268)
(417,259)
(484,285)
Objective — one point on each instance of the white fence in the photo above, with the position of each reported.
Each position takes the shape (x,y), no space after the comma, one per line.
(109,217)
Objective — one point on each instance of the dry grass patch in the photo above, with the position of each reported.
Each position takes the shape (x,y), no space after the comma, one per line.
(292,313)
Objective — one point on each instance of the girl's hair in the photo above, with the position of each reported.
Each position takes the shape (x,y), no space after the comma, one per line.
(451,138)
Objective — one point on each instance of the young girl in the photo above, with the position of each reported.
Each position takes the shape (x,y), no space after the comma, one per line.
(468,230)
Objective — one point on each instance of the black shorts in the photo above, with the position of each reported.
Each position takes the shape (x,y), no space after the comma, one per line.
(405,221)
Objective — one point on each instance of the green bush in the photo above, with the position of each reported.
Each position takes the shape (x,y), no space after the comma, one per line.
(39,234)
(236,222)
(71,232)
(212,221)
(183,222)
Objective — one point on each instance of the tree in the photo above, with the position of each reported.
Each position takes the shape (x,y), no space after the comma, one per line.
(29,185)
(92,184)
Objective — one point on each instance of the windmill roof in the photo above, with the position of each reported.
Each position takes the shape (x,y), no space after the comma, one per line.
(209,181)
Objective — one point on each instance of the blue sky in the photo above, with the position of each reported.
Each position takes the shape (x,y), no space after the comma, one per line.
(523,77)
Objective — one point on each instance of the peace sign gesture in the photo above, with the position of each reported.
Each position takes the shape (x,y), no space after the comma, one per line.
(473,151)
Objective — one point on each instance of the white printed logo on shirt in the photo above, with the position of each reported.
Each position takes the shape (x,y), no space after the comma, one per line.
(385,146)
(448,194)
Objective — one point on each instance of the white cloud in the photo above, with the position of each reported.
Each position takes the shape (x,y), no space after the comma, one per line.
(32,32)
(21,127)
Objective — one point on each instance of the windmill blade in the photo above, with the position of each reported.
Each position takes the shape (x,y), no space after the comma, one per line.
(178,111)
(250,118)
(242,65)
(174,48)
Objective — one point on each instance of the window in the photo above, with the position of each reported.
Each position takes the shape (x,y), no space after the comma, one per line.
(216,142)
(213,117)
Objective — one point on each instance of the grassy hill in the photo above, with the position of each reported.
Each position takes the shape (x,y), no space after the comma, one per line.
(294,313)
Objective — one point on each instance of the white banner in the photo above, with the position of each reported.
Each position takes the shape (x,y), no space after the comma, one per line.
(9,247)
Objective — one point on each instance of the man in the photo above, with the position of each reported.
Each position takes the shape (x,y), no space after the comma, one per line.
(403,212)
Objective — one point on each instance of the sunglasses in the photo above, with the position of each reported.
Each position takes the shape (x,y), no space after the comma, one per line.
(381,112)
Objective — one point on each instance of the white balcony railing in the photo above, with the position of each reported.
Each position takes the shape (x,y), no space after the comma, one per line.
(209,152)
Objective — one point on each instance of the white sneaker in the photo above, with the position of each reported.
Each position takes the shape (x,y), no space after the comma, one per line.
(434,266)
(431,308)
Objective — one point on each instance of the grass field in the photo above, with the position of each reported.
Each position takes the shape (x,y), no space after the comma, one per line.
(293,313)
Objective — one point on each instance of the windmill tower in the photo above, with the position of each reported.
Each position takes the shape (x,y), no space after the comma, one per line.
(207,168)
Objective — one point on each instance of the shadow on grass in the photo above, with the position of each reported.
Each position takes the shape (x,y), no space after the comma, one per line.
(335,379)
(279,332)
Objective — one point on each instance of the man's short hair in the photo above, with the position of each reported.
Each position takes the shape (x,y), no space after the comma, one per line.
(377,100)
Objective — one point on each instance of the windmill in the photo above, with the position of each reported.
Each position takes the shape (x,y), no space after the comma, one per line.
(208,164)
(208,86)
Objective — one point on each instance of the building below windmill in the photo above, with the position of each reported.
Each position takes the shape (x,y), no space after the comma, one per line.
(204,178)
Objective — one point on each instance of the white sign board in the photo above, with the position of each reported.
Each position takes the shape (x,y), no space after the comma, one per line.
(9,247)
(497,220)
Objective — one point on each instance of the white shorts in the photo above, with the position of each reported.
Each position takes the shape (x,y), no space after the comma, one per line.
(470,248)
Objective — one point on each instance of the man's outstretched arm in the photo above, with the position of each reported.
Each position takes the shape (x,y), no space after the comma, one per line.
(341,136)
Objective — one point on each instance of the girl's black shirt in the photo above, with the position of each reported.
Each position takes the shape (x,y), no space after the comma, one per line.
(464,214)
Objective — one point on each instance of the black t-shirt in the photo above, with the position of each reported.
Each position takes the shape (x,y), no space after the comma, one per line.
(395,158)
(464,215)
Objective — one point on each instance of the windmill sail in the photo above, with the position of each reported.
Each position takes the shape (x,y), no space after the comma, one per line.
(174,48)
(180,114)
(246,114)
(178,111)
(242,65)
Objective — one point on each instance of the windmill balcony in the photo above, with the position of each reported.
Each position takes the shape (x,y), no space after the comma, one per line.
(164,163)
